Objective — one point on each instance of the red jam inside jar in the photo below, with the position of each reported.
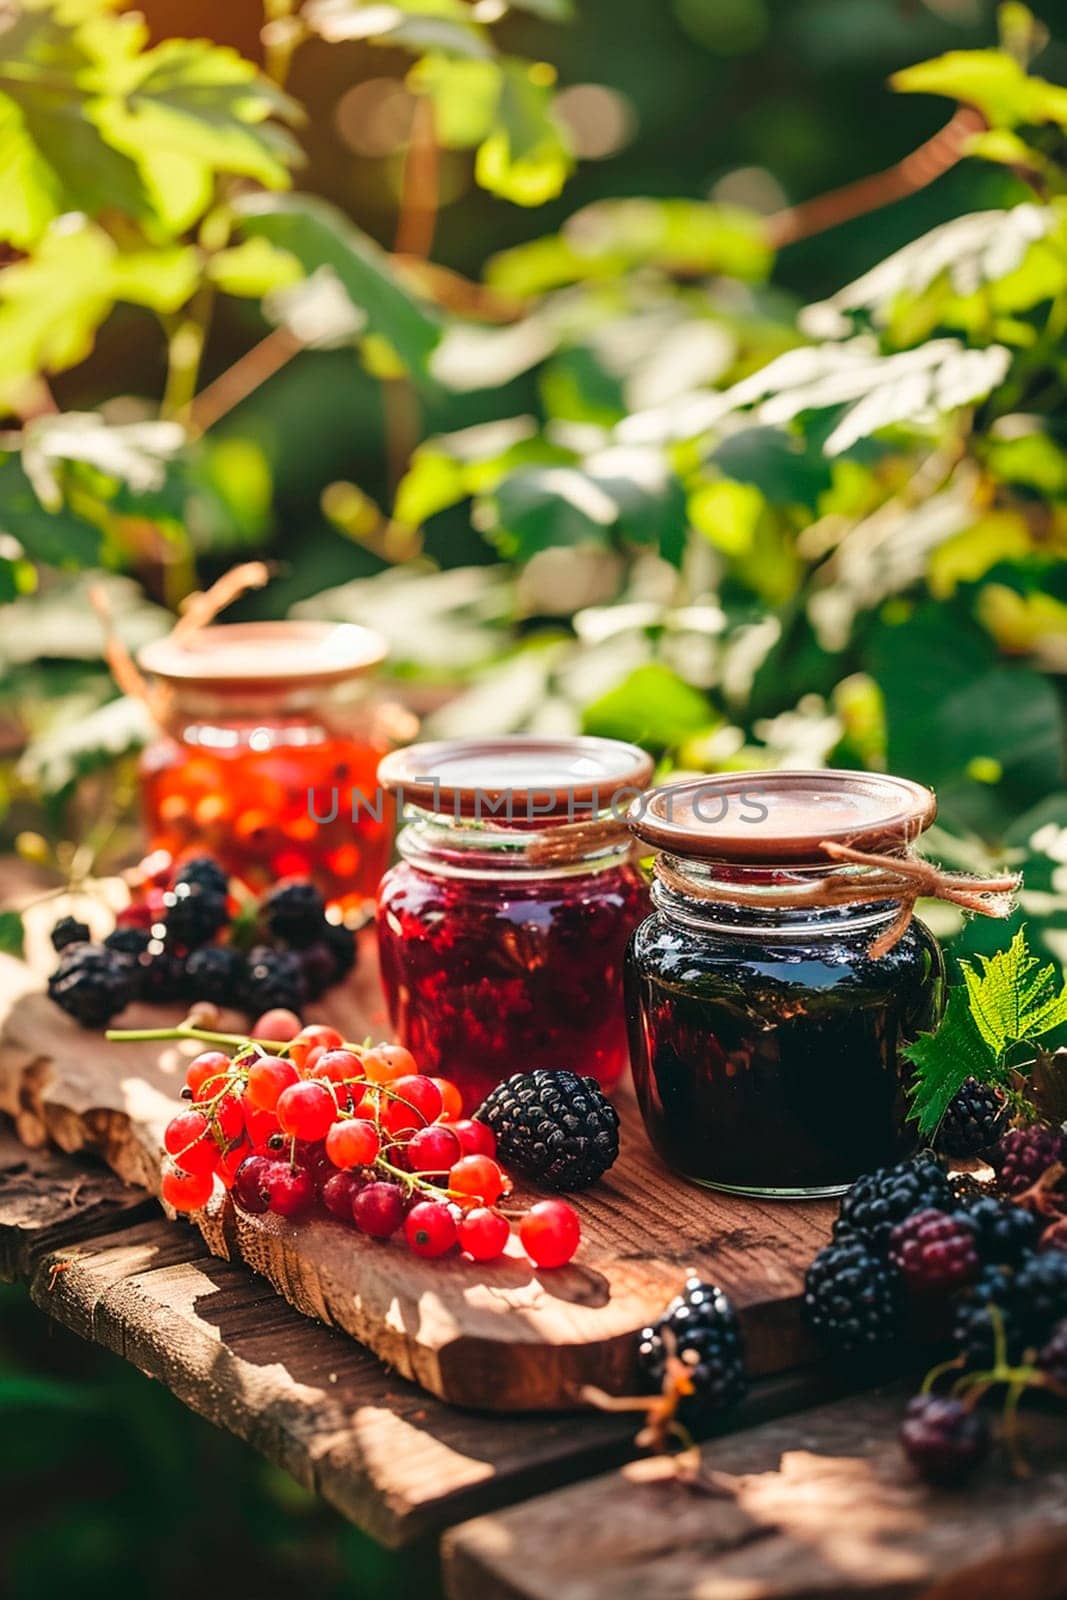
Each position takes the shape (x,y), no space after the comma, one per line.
(503,929)
(272,735)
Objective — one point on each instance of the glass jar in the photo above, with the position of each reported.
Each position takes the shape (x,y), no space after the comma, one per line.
(764,1035)
(502,930)
(268,759)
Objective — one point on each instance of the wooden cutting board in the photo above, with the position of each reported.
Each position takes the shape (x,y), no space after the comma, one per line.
(505,1336)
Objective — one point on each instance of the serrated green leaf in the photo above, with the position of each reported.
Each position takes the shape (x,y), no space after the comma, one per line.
(1013,997)
(318,235)
(12,934)
(945,1059)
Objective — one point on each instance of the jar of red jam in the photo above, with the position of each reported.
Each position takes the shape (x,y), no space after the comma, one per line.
(268,759)
(765,1031)
(503,928)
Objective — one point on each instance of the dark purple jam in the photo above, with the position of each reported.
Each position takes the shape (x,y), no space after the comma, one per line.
(770,1064)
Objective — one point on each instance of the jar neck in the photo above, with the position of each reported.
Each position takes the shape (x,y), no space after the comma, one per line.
(466,847)
(748,902)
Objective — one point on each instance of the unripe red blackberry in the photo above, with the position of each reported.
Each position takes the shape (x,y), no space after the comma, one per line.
(933,1252)
(879,1200)
(1024,1154)
(943,1440)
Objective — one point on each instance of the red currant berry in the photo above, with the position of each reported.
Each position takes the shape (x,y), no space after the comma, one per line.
(479,1177)
(306,1110)
(419,1103)
(292,1189)
(352,1143)
(476,1138)
(316,1036)
(430,1228)
(278,1026)
(338,1193)
(260,1124)
(187,1137)
(229,1118)
(251,1190)
(483,1233)
(186,1191)
(387,1062)
(378,1209)
(339,1067)
(451,1100)
(204,1076)
(550,1233)
(268,1079)
(433,1149)
(230,1162)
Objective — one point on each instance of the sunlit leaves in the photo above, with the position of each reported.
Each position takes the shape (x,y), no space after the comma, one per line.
(445,25)
(652,706)
(992,81)
(318,236)
(59,537)
(253,268)
(525,157)
(464,93)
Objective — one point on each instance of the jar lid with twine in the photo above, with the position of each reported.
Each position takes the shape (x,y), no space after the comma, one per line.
(752,823)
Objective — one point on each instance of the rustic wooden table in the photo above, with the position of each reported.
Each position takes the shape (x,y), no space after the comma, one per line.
(817,1501)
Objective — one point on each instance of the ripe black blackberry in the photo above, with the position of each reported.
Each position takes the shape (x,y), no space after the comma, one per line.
(699,1327)
(159,974)
(933,1252)
(91,984)
(129,941)
(555,1128)
(341,943)
(943,1439)
(1004,1233)
(295,912)
(1052,1357)
(217,973)
(69,931)
(976,1118)
(965,1188)
(275,980)
(852,1299)
(203,872)
(320,968)
(974,1324)
(879,1200)
(1024,1154)
(1040,1295)
(193,915)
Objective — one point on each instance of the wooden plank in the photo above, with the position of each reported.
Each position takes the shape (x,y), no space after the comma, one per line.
(820,1506)
(505,1336)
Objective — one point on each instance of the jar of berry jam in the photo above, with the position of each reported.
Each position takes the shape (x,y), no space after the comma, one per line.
(503,928)
(271,737)
(765,1031)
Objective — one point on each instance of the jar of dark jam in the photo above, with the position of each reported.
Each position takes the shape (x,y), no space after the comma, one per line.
(764,1035)
(503,928)
(270,734)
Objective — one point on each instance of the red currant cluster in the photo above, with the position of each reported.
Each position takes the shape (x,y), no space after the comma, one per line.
(356,1129)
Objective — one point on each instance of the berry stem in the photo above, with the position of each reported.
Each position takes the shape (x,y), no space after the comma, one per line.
(236,1041)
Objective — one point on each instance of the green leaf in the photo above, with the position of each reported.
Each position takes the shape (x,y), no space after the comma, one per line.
(59,538)
(536,508)
(945,1060)
(526,158)
(135,453)
(550,10)
(74,748)
(12,934)
(1013,997)
(652,706)
(990,80)
(253,268)
(785,468)
(318,235)
(417,25)
(433,482)
(464,93)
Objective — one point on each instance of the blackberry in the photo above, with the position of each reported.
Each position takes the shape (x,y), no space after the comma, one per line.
(976,1118)
(1003,1233)
(217,973)
(295,912)
(879,1200)
(129,941)
(973,1328)
(91,984)
(965,1188)
(852,1299)
(275,981)
(193,915)
(555,1128)
(68,931)
(1052,1357)
(934,1252)
(341,943)
(204,873)
(943,1439)
(159,975)
(1040,1295)
(1024,1154)
(699,1327)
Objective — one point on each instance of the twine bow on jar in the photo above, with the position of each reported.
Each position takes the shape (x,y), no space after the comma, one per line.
(901,878)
